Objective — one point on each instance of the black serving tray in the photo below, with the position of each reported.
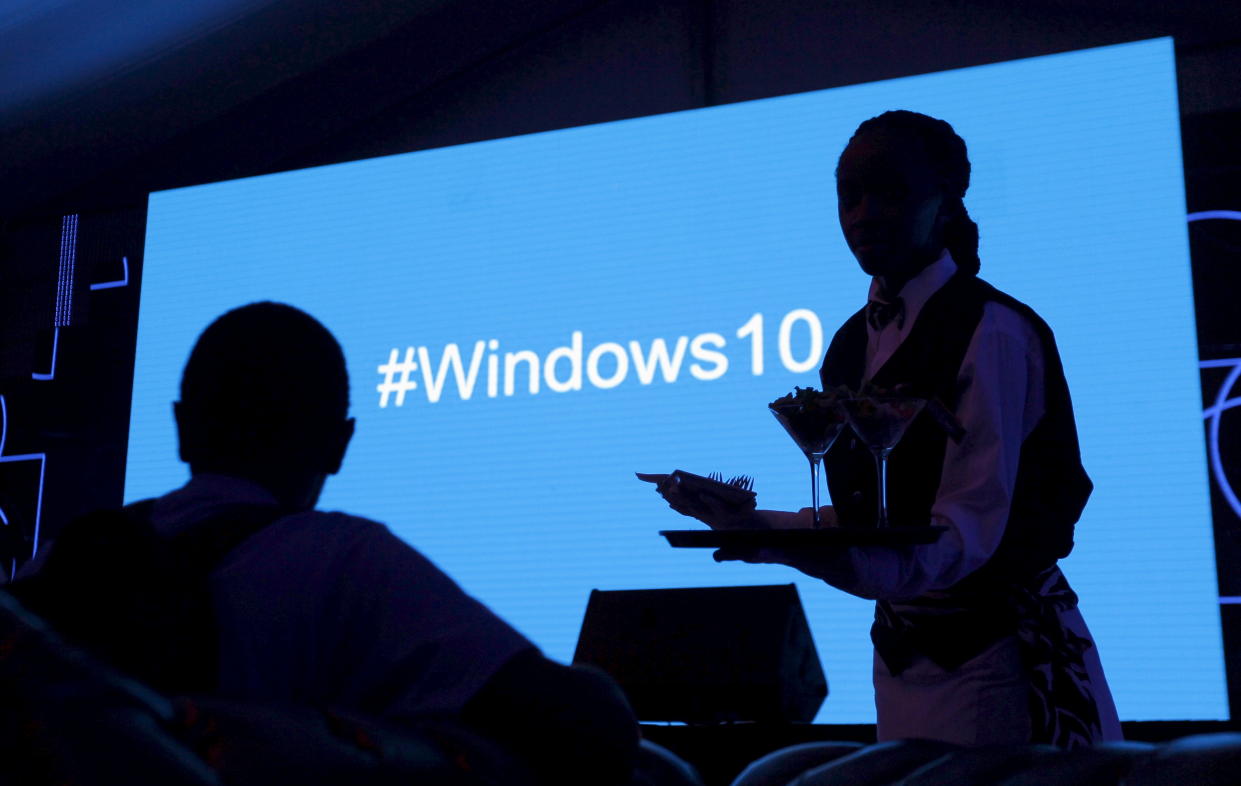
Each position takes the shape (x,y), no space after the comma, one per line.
(796,538)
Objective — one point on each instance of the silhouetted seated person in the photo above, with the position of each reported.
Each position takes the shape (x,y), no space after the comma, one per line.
(332,610)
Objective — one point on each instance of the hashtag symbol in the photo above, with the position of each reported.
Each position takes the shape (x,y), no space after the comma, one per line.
(396,377)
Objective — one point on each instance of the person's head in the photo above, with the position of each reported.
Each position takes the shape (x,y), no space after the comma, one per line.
(265,396)
(901,184)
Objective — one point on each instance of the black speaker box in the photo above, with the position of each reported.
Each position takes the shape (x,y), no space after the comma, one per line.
(706,655)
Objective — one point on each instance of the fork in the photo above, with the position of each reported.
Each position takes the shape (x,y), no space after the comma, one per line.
(743,482)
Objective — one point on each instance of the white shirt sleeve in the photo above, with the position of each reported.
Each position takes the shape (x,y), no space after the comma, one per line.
(1001,398)
(418,641)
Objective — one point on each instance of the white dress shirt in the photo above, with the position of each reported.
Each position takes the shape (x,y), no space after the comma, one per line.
(1000,389)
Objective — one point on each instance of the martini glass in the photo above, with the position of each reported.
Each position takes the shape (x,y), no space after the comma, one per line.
(880,423)
(814,427)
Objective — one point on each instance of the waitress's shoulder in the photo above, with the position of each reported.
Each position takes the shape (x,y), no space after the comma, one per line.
(1010,310)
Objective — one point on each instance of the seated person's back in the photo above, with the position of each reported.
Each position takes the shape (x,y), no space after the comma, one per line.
(332,610)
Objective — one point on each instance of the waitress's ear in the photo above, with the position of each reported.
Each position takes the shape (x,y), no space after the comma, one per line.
(950,208)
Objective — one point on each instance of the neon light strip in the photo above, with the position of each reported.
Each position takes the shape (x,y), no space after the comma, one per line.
(38,510)
(123,282)
(4,433)
(41,458)
(60,274)
(1222,402)
(12,568)
(1218,409)
(55,345)
(1202,215)
(68,261)
(1213,415)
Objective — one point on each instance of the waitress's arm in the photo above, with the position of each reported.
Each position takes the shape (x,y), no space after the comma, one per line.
(1000,401)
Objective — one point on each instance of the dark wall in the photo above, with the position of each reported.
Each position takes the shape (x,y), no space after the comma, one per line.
(304,82)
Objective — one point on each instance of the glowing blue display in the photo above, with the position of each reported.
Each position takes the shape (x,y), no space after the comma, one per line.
(530,320)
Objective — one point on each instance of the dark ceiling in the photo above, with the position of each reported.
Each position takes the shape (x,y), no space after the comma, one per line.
(107,100)
(92,88)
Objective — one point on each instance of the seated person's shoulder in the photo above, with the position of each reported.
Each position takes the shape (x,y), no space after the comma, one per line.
(323,546)
(335,529)
(371,561)
(337,524)
(359,537)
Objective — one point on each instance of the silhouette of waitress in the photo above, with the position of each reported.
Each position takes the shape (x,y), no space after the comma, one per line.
(977,636)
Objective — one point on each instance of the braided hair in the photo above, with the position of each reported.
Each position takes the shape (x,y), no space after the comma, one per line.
(948,157)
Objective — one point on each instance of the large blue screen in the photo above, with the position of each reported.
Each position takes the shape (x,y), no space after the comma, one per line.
(530,320)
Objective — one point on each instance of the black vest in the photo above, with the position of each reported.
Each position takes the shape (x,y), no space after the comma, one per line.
(1051,488)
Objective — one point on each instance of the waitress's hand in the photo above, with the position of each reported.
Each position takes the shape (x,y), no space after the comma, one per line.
(802,519)
(777,519)
(708,508)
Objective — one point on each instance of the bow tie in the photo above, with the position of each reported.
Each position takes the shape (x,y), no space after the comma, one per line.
(880,314)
